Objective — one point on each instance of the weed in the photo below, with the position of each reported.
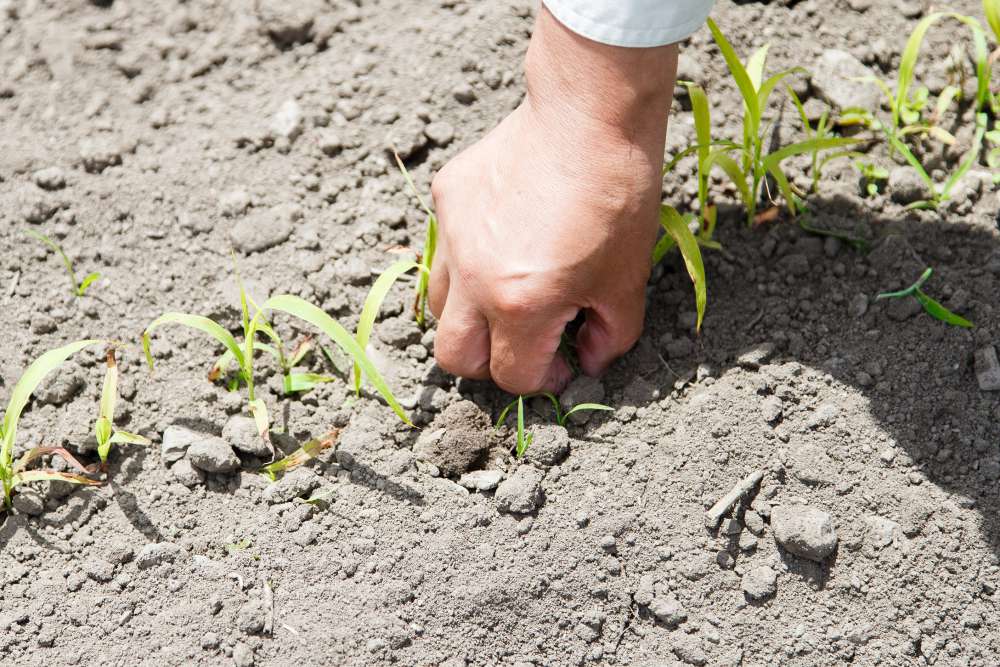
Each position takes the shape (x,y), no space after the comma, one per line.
(307,451)
(823,130)
(933,308)
(373,302)
(426,258)
(14,474)
(561,417)
(940,193)
(78,287)
(679,234)
(104,427)
(873,177)
(754,164)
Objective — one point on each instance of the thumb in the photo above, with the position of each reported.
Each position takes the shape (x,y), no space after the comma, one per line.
(609,331)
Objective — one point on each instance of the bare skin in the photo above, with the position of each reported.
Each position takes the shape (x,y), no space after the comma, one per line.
(552,213)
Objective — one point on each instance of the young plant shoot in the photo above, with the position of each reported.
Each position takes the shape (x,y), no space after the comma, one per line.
(426,258)
(104,428)
(562,418)
(933,308)
(753,163)
(13,474)
(79,288)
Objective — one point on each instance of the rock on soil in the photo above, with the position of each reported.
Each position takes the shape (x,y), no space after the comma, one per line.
(187,474)
(521,492)
(50,178)
(175,442)
(668,610)
(804,531)
(28,502)
(550,445)
(457,440)
(261,229)
(906,186)
(213,454)
(62,386)
(241,433)
(157,553)
(831,77)
(583,389)
(295,484)
(760,582)
(481,480)
(988,368)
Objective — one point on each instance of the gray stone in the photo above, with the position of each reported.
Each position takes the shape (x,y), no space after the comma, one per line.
(440,133)
(213,454)
(903,309)
(457,440)
(754,522)
(61,386)
(175,442)
(464,93)
(398,332)
(289,23)
(583,389)
(28,502)
(99,570)
(549,446)
(987,368)
(832,78)
(242,654)
(795,264)
(406,137)
(906,186)
(96,155)
(251,617)
(287,121)
(812,465)
(262,229)
(35,209)
(760,582)
(50,178)
(297,483)
(521,492)
(157,553)
(234,203)
(771,409)
(668,610)
(360,442)
(858,305)
(804,531)
(690,68)
(481,480)
(241,433)
(882,532)
(187,474)
(754,357)
(330,142)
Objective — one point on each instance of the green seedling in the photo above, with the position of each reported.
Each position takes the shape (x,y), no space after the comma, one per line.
(993,154)
(822,130)
(524,439)
(678,233)
(104,428)
(907,107)
(873,177)
(426,258)
(79,288)
(293,381)
(373,303)
(236,547)
(303,310)
(562,418)
(753,163)
(933,308)
(309,450)
(242,354)
(13,474)
(940,193)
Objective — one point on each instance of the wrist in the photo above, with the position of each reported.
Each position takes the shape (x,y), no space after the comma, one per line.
(623,93)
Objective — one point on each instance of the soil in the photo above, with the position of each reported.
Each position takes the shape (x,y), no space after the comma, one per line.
(150,138)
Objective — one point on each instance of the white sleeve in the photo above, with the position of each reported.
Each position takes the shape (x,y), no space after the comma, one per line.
(638,23)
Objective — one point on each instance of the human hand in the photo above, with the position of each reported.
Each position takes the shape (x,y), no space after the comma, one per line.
(552,213)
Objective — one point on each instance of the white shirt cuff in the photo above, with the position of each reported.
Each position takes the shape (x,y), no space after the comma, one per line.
(633,23)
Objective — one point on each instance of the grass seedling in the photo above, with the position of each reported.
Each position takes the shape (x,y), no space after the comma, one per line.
(823,130)
(933,308)
(524,439)
(104,428)
(373,303)
(309,450)
(562,418)
(241,354)
(426,258)
(677,233)
(753,163)
(940,193)
(79,288)
(14,474)
(873,177)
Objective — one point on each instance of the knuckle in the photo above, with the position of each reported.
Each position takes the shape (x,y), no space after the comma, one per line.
(512,302)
